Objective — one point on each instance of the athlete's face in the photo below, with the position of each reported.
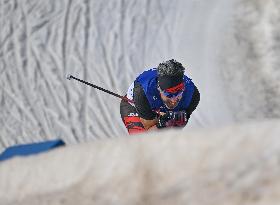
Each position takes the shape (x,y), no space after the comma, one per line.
(170,103)
(172,96)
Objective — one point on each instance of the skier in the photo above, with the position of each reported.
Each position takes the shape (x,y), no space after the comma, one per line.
(160,97)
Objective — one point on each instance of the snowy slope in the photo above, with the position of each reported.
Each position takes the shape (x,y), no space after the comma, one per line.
(231,51)
(229,48)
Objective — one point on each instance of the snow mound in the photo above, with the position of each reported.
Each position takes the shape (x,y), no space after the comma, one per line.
(232,165)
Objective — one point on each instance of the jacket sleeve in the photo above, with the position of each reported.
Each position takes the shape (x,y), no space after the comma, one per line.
(142,104)
(194,102)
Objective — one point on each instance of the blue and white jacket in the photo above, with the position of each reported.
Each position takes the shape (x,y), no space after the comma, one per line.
(148,81)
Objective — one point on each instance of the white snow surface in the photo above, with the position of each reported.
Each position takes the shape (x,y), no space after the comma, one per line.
(230,49)
(166,168)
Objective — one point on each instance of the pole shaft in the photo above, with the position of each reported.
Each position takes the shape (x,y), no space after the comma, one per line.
(102,89)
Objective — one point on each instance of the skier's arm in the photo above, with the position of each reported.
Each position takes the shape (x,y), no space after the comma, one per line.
(147,116)
(148,123)
(194,102)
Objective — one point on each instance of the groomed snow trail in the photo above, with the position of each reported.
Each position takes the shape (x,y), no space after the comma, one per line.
(109,43)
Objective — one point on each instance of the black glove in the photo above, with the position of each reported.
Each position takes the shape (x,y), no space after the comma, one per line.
(163,120)
(176,119)
(180,118)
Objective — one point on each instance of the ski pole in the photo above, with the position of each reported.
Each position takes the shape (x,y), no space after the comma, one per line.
(69,77)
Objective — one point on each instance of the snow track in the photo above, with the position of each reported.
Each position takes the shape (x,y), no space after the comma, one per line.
(109,43)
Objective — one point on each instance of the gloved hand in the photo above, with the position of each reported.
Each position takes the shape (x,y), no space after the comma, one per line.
(180,118)
(170,118)
(163,120)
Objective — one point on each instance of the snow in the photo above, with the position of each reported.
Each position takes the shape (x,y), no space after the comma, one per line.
(166,168)
(230,49)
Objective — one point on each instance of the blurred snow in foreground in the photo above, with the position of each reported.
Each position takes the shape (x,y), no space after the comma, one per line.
(233,165)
